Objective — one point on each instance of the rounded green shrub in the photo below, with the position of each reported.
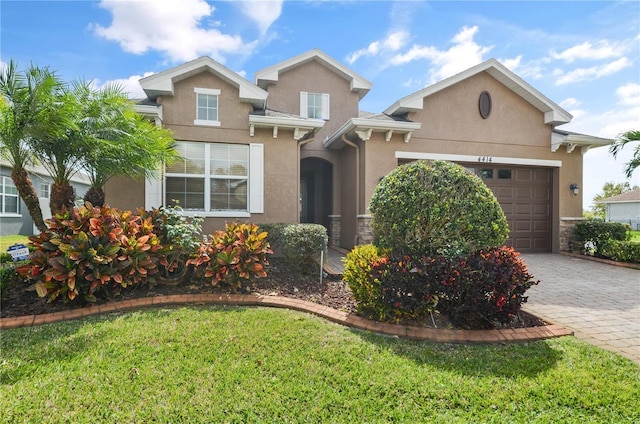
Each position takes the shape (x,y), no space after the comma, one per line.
(436,207)
(366,290)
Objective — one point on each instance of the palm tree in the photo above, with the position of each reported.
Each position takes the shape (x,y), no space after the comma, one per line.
(622,140)
(28,110)
(137,150)
(110,139)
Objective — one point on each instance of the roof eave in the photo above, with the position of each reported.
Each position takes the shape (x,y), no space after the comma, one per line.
(553,113)
(162,84)
(363,126)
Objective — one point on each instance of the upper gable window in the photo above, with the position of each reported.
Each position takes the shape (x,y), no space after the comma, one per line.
(207,106)
(314,105)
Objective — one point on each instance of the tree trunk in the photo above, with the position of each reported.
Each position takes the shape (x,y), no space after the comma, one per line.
(95,196)
(62,195)
(27,192)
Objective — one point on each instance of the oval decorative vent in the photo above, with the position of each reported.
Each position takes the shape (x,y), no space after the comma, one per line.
(484,104)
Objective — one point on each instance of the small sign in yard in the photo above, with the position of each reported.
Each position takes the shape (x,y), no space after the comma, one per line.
(18,252)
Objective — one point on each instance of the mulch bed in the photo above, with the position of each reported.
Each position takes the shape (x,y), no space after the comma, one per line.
(21,299)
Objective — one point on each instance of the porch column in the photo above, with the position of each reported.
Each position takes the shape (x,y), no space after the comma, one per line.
(335,228)
(365,232)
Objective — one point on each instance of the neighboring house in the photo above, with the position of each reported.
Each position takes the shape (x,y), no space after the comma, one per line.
(14,215)
(294,146)
(624,208)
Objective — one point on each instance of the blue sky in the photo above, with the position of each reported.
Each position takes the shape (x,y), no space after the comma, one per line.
(583,55)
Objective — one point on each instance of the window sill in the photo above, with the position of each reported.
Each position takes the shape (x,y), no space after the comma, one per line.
(10,215)
(216,214)
(206,123)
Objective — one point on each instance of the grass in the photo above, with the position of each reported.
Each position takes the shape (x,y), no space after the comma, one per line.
(635,236)
(6,241)
(224,364)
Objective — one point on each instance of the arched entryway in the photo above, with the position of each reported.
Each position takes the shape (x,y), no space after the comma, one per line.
(316,185)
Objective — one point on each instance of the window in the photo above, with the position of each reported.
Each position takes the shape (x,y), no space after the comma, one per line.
(314,105)
(9,203)
(504,174)
(486,173)
(220,179)
(207,106)
(45,190)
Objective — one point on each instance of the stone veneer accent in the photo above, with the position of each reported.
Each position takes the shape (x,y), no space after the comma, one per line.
(335,230)
(566,227)
(365,232)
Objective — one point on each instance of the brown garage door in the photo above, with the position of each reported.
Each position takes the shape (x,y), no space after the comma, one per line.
(525,196)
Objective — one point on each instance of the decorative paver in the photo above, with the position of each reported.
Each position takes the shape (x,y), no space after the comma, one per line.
(599,300)
(340,317)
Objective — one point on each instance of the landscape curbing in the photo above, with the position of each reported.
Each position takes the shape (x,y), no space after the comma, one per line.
(507,335)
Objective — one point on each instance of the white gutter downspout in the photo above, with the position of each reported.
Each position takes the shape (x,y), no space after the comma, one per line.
(355,146)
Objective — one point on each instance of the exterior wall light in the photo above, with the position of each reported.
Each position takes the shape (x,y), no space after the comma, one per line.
(575,189)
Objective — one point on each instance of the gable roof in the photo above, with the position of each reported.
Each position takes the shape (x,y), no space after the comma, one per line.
(271,74)
(161,84)
(632,196)
(553,114)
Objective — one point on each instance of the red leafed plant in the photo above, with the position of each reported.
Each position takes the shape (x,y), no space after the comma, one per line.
(89,249)
(233,256)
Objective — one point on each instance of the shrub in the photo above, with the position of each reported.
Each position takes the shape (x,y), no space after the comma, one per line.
(91,249)
(366,291)
(303,244)
(275,235)
(596,233)
(409,284)
(179,235)
(436,206)
(485,287)
(621,251)
(233,256)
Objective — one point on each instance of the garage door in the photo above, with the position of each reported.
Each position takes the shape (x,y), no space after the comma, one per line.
(525,196)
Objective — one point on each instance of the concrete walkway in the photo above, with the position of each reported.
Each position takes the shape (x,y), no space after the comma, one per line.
(599,302)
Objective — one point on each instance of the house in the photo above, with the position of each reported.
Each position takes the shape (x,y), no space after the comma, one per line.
(294,146)
(14,215)
(623,208)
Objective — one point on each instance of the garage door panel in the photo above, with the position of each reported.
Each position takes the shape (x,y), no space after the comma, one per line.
(523,226)
(541,210)
(541,225)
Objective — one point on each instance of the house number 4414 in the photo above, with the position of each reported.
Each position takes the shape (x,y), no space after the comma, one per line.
(485,159)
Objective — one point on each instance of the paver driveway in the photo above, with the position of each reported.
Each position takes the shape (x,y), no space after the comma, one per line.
(599,302)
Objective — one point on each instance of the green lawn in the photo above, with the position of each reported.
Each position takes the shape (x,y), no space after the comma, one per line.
(217,364)
(6,241)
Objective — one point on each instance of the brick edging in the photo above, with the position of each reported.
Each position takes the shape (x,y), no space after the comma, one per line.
(343,318)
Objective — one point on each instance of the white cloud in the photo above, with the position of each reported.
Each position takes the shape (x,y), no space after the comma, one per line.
(592,73)
(570,102)
(393,42)
(263,13)
(130,85)
(173,28)
(629,94)
(601,50)
(464,54)
(512,64)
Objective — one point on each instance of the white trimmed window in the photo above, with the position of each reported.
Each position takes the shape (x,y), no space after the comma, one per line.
(45,190)
(314,105)
(207,106)
(217,179)
(9,199)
